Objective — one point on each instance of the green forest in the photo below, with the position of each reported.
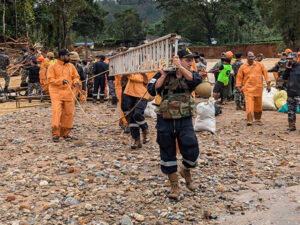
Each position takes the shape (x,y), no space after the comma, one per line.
(59,23)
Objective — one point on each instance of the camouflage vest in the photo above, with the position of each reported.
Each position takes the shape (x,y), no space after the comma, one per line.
(176,105)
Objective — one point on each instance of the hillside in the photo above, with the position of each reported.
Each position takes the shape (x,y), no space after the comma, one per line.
(146,8)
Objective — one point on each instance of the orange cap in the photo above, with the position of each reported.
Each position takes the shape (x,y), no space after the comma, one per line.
(287,51)
(40,59)
(229,54)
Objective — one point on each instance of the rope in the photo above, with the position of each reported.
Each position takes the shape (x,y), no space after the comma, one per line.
(105,125)
(95,76)
(81,108)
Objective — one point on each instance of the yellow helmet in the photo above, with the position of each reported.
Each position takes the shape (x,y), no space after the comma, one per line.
(50,54)
(74,56)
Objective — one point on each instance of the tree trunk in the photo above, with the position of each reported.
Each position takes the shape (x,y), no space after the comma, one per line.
(64,26)
(3,20)
(16,19)
(86,48)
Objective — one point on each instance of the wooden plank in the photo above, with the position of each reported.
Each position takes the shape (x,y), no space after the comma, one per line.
(45,97)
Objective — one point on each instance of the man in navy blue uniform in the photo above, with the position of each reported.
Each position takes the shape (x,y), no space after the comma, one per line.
(99,81)
(174,119)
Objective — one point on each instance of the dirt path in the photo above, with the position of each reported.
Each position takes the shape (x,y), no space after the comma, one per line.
(99,180)
(274,206)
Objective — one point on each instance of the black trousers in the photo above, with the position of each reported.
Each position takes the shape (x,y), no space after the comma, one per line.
(168,131)
(136,118)
(99,82)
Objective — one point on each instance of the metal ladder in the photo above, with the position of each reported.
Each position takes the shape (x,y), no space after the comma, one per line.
(146,58)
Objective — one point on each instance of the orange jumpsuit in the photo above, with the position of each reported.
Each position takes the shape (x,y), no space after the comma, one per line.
(252,78)
(118,87)
(62,100)
(135,102)
(43,74)
(135,86)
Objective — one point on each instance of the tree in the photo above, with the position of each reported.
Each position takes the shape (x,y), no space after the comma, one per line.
(226,20)
(284,16)
(65,12)
(3,21)
(91,21)
(128,24)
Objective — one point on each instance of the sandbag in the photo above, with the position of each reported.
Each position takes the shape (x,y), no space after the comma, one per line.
(205,120)
(284,109)
(280,98)
(204,89)
(150,110)
(268,99)
(280,102)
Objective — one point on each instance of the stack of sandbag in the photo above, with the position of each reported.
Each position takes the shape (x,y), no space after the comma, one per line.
(268,99)
(280,99)
(205,120)
(150,110)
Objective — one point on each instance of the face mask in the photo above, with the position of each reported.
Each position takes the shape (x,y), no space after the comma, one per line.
(66,60)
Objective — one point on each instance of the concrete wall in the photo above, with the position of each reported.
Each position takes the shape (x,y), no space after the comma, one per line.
(213,52)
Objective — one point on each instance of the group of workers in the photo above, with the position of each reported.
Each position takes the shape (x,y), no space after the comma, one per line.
(67,78)
(245,81)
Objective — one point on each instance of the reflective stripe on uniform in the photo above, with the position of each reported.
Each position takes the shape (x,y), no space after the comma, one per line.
(189,162)
(133,125)
(141,123)
(152,81)
(168,164)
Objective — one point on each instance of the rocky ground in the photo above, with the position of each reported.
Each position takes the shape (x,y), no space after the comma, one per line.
(246,175)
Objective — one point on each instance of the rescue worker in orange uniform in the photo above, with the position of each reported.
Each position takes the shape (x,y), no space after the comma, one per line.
(136,91)
(62,76)
(251,75)
(49,60)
